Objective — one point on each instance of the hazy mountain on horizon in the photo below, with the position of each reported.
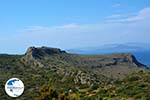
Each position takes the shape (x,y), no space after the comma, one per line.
(140,50)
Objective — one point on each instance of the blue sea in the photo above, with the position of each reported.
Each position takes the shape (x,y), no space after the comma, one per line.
(143,57)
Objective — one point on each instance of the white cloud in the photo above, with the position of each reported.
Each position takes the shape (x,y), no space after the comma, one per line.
(142,15)
(73,28)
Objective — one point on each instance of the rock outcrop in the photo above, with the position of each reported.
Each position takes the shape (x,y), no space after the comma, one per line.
(110,65)
(42,51)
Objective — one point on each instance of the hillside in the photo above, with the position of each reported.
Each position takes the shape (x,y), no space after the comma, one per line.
(133,87)
(63,71)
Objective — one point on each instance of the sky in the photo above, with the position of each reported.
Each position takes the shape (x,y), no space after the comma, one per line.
(70,24)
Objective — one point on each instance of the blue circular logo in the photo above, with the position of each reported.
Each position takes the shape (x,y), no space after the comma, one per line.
(14,87)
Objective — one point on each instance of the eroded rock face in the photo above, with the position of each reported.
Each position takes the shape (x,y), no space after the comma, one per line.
(131,58)
(85,78)
(42,51)
(33,55)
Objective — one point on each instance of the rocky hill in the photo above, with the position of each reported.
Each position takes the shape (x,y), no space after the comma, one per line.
(63,70)
(112,65)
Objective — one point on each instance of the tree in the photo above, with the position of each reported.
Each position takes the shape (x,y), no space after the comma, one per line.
(47,93)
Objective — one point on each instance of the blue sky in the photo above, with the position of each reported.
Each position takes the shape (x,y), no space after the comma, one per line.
(72,23)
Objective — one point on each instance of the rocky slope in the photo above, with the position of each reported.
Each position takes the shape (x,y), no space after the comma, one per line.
(112,65)
(62,70)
